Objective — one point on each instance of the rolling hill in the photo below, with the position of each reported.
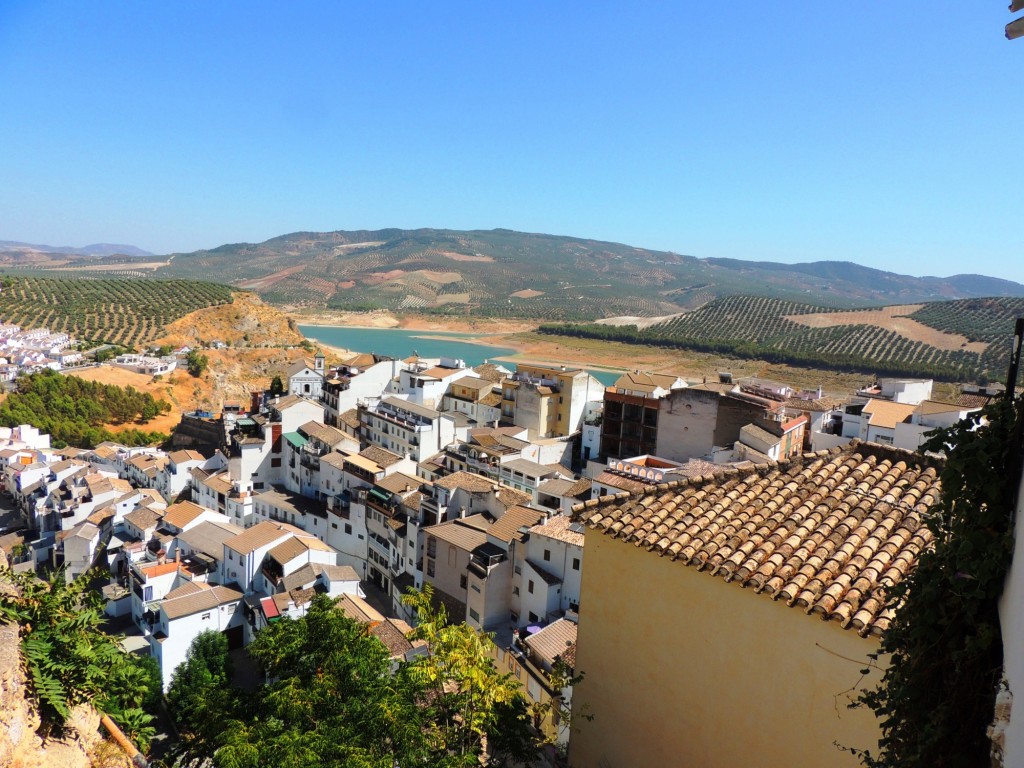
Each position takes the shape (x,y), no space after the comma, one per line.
(956,340)
(501,273)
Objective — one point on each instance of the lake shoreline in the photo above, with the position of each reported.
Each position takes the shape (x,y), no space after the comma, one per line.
(505,348)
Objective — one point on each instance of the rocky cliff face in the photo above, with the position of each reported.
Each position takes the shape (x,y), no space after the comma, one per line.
(20,745)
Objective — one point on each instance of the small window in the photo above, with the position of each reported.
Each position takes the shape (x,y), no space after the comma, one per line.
(474,615)
(515,590)
(547,555)
(462,581)
(534,617)
(205,616)
(275,462)
(575,563)
(348,529)
(334,525)
(476,588)
(529,588)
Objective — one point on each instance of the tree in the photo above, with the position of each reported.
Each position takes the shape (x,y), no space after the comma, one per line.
(467,700)
(199,685)
(196,362)
(337,698)
(944,644)
(276,387)
(70,660)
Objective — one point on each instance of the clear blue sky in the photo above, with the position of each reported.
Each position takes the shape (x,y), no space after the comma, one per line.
(884,133)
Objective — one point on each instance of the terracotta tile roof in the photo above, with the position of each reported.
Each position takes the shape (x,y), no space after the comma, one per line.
(492,399)
(398,482)
(555,639)
(361,360)
(510,497)
(299,366)
(178,604)
(324,433)
(438,372)
(358,609)
(393,637)
(180,457)
(310,572)
(697,467)
(260,535)
(929,407)
(350,418)
(886,414)
(220,483)
(645,382)
(971,400)
(560,527)
(296,546)
(142,518)
(380,456)
(467,481)
(819,405)
(762,435)
(826,531)
(101,515)
(491,372)
(407,406)
(474,382)
(556,486)
(627,484)
(580,487)
(209,538)
(507,526)
(181,514)
(334,459)
(457,532)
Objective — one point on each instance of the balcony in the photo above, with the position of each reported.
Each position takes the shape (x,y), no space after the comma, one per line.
(272,571)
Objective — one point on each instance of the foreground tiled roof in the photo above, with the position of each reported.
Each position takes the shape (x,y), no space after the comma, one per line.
(826,532)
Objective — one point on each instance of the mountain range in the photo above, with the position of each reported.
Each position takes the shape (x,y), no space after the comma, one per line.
(505,273)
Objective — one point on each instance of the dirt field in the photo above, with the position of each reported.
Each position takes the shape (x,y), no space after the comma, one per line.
(444,278)
(464,256)
(639,322)
(527,293)
(177,388)
(247,321)
(695,366)
(385,319)
(892,319)
(269,280)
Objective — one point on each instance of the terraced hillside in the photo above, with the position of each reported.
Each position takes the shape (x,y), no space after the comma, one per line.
(953,340)
(118,311)
(501,273)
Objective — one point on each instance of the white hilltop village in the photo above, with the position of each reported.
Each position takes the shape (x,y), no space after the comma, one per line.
(501,489)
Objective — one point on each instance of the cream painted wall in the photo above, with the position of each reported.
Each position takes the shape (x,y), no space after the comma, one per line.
(684,669)
(1011,616)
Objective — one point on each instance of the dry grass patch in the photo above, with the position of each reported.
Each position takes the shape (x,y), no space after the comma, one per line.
(526,293)
(893,319)
(261,283)
(465,256)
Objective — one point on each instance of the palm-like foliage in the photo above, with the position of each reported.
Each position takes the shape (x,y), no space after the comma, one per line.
(70,660)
